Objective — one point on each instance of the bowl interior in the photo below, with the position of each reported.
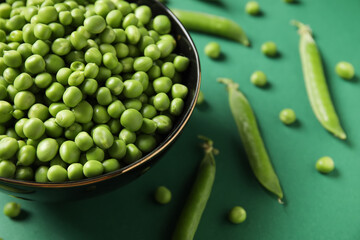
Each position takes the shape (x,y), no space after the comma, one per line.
(191,78)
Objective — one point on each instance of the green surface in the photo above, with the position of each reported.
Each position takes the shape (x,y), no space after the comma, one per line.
(317,206)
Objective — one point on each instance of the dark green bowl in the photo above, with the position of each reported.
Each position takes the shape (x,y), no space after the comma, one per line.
(93,186)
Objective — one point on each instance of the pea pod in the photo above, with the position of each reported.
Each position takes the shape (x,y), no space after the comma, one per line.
(251,139)
(212,24)
(200,192)
(315,82)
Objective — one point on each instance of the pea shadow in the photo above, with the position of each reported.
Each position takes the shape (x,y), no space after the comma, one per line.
(296,124)
(217,3)
(24,214)
(204,106)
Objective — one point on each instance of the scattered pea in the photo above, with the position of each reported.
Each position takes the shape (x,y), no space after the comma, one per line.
(213,50)
(12,209)
(258,78)
(287,116)
(237,215)
(325,164)
(162,195)
(269,49)
(252,8)
(345,70)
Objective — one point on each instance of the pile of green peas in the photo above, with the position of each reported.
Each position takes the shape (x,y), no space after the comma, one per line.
(85,88)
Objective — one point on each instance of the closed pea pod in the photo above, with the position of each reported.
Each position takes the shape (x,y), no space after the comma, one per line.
(315,82)
(199,194)
(212,24)
(251,139)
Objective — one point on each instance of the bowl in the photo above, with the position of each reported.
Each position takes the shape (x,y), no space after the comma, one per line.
(73,190)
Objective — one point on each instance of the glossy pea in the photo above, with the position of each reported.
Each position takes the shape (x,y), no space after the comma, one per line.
(145,143)
(24,173)
(161,101)
(52,129)
(100,114)
(164,123)
(127,136)
(149,126)
(83,112)
(111,165)
(89,86)
(69,152)
(43,80)
(84,141)
(162,84)
(72,96)
(26,155)
(93,168)
(179,91)
(176,106)
(40,111)
(132,153)
(57,173)
(72,131)
(96,154)
(55,91)
(34,128)
(75,171)
(103,138)
(7,169)
(8,147)
(131,119)
(115,109)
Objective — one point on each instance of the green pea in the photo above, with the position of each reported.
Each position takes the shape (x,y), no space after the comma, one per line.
(127,136)
(132,154)
(52,129)
(42,31)
(10,74)
(100,114)
(40,111)
(75,171)
(89,86)
(3,92)
(148,111)
(69,152)
(103,96)
(269,49)
(72,96)
(26,155)
(95,24)
(161,101)
(62,75)
(12,209)
(179,91)
(258,78)
(41,174)
(14,36)
(237,215)
(252,8)
(103,74)
(345,70)
(35,64)
(5,111)
(95,153)
(61,46)
(162,24)
(122,50)
(5,10)
(142,64)
(93,168)
(162,195)
(47,14)
(325,164)
(24,173)
(25,50)
(58,30)
(162,85)
(84,141)
(133,103)
(213,50)
(91,70)
(54,63)
(165,47)
(57,173)
(15,23)
(131,119)
(43,80)
(12,58)
(118,149)
(76,78)
(115,109)
(55,91)
(47,149)
(164,123)
(65,118)
(287,116)
(8,147)
(145,142)
(58,161)
(34,128)
(65,18)
(78,40)
(110,60)
(93,55)
(176,106)
(114,18)
(111,165)
(24,100)
(83,112)
(7,169)
(102,137)
(40,47)
(132,88)
(54,108)
(168,69)
(72,131)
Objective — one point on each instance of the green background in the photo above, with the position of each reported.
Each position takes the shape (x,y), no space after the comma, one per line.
(317,206)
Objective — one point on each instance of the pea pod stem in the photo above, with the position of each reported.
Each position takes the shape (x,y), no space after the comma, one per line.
(250,136)
(199,194)
(316,87)
(212,24)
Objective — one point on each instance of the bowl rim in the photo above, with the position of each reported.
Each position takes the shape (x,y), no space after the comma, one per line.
(165,143)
